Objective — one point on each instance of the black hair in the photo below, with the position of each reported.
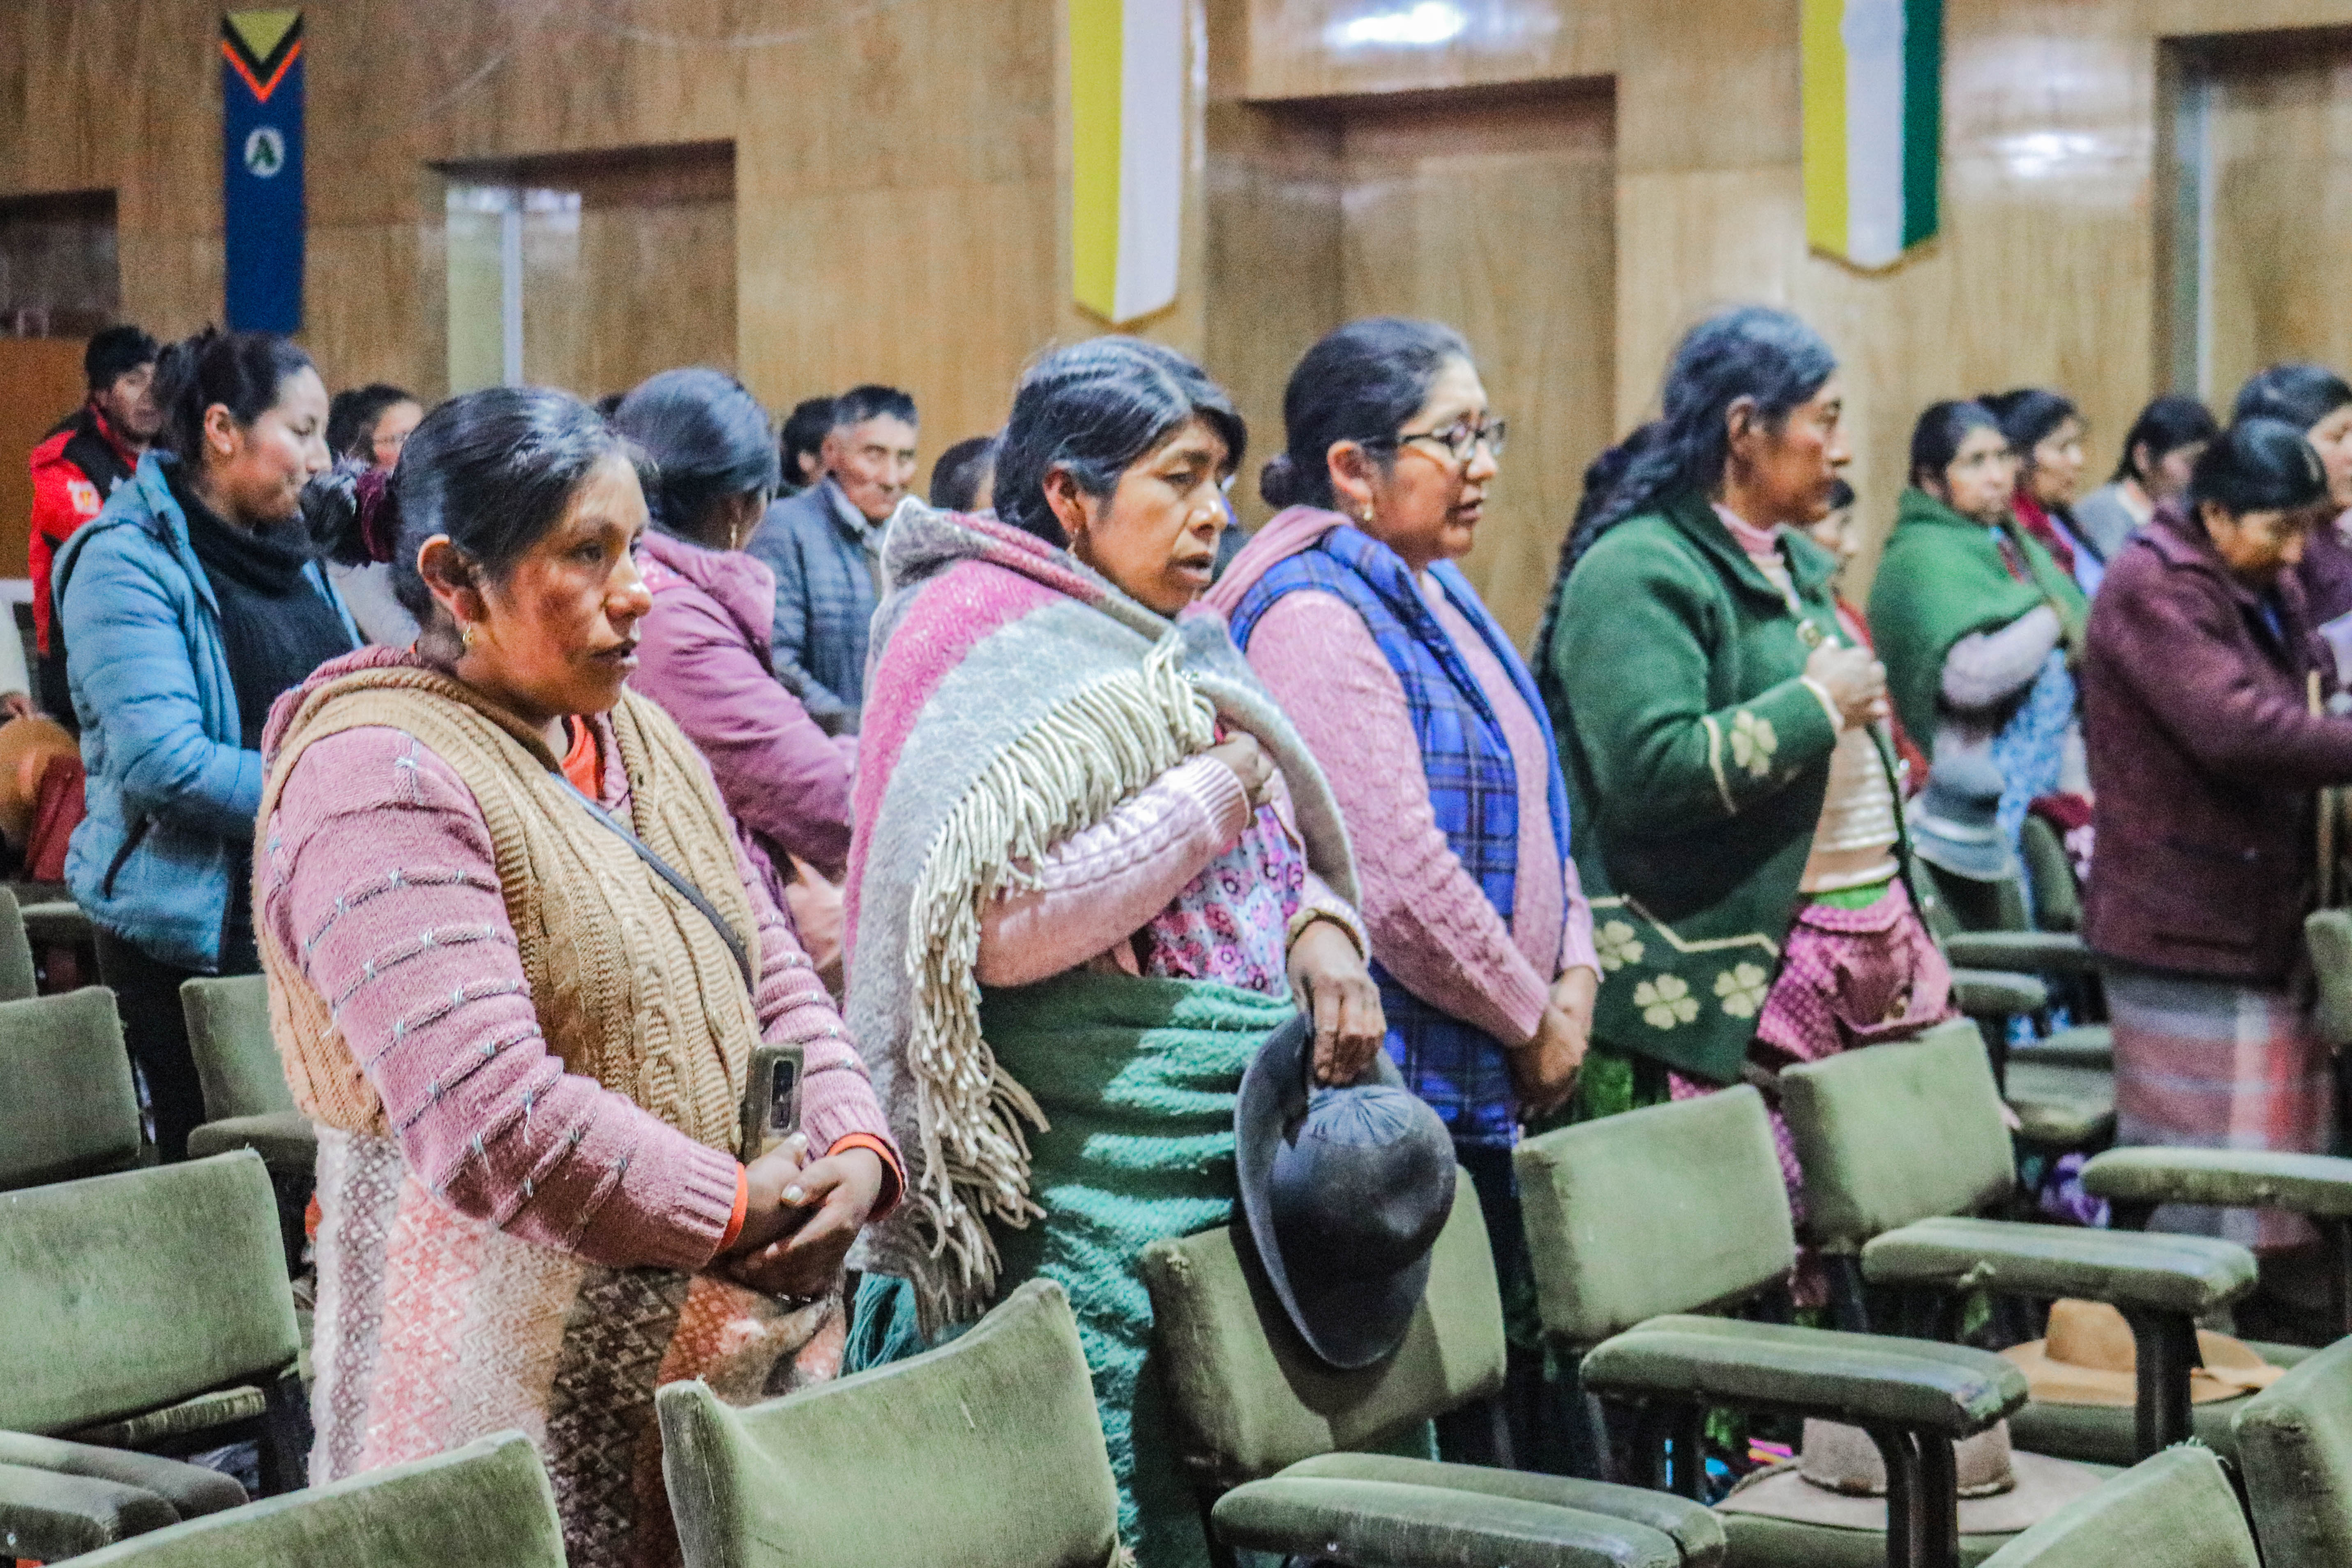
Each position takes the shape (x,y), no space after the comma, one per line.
(2164,427)
(493,469)
(804,435)
(334,510)
(610,403)
(1094,409)
(860,404)
(1361,383)
(1942,427)
(352,414)
(961,469)
(242,372)
(2300,395)
(708,437)
(1754,352)
(2259,465)
(2027,416)
(1842,495)
(113,352)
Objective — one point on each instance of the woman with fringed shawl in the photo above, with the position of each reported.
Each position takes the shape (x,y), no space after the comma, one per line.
(1094,868)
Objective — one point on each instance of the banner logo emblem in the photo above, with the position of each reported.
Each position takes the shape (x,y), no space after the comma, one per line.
(265,152)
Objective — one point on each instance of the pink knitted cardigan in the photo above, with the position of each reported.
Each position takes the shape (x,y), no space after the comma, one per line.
(376,842)
(1431,925)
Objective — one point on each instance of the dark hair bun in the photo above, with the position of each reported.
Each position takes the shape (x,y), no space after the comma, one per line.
(2260,464)
(1278,482)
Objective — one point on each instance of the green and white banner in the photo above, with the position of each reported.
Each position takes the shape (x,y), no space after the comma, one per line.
(1874,110)
(1126,124)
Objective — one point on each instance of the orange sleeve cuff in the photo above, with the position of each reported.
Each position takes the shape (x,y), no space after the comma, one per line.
(894,1182)
(742,1206)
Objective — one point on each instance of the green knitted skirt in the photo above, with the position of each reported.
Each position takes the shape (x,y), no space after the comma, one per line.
(1137,1080)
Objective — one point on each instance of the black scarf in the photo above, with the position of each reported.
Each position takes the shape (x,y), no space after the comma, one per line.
(277,626)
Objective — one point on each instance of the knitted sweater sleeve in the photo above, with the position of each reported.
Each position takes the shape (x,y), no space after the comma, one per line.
(1104,883)
(381,884)
(1430,924)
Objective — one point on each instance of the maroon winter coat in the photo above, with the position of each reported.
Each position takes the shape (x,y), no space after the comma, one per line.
(703,655)
(2205,757)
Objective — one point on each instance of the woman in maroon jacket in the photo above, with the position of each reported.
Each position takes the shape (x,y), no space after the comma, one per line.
(705,655)
(2206,754)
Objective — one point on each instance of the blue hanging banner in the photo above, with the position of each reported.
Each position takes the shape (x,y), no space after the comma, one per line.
(261,168)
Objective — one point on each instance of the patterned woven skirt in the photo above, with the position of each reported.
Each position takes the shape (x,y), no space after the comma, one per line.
(434,1329)
(2211,1064)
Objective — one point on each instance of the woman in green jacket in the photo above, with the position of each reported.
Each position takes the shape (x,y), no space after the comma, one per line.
(1979,625)
(1726,742)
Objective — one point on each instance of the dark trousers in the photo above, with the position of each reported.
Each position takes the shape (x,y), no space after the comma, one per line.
(155,1028)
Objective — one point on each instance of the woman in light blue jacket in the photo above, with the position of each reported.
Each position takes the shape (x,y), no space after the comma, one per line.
(186,607)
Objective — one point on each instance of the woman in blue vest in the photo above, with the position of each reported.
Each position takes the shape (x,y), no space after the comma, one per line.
(1349,607)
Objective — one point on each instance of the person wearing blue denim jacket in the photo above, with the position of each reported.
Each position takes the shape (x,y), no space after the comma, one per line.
(186,606)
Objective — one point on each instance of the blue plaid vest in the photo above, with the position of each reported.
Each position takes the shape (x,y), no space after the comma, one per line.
(1472,787)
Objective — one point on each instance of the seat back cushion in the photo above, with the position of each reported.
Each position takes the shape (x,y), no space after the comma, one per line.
(68,1109)
(487,1505)
(1896,1133)
(123,1293)
(228,1031)
(2295,1447)
(2175,1508)
(18,980)
(1669,1209)
(2050,871)
(1247,1397)
(984,1452)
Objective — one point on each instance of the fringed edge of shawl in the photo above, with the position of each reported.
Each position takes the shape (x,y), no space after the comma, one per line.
(1068,772)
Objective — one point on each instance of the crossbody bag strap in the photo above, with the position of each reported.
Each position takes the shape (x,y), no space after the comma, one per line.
(678,884)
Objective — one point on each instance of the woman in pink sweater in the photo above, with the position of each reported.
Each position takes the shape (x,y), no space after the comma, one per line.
(524,1039)
(1426,720)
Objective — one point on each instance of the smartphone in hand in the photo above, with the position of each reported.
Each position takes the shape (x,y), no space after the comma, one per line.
(772,1100)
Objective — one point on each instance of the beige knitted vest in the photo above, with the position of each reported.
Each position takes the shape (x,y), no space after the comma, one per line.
(632,986)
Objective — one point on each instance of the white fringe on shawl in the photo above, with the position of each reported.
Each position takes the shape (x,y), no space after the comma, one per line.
(1094,749)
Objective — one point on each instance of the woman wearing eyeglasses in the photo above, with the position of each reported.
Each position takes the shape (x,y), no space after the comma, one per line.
(1349,606)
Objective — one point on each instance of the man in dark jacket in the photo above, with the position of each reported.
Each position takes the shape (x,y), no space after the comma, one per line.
(825,546)
(78,464)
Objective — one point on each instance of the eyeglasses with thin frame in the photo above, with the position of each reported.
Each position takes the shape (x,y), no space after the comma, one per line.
(1459,438)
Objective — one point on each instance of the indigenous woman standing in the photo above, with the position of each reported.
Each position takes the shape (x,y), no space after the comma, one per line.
(1079,895)
(1978,622)
(2208,757)
(186,607)
(2045,433)
(1428,725)
(2317,402)
(1735,795)
(525,1039)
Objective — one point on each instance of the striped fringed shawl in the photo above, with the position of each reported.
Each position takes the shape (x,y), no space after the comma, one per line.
(1017,698)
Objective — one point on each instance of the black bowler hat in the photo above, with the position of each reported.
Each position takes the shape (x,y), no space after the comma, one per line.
(1345,1190)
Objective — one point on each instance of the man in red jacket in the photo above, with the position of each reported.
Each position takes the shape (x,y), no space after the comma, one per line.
(77,467)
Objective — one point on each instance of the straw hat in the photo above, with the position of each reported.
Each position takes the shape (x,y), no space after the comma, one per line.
(27,745)
(1838,1478)
(2089,1359)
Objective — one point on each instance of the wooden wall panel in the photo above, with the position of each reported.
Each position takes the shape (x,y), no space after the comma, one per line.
(40,382)
(1498,219)
(2280,138)
(1325,49)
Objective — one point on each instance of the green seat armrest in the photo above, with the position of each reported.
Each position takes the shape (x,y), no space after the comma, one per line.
(59,924)
(1864,1379)
(1996,994)
(2083,1045)
(1380,1524)
(190,1490)
(1695,1528)
(46,1516)
(2026,952)
(2327,937)
(2315,1184)
(2192,1274)
(286,1140)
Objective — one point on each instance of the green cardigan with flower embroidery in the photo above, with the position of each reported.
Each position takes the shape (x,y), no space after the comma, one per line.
(1696,762)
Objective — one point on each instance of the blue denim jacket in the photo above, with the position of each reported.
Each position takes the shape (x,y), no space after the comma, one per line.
(171,795)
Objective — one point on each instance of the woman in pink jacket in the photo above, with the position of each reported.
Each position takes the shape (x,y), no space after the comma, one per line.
(705,654)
